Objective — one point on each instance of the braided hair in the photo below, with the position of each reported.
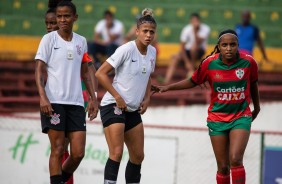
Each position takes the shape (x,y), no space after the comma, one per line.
(146,17)
(216,48)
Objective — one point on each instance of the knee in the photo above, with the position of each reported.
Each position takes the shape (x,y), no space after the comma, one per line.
(236,160)
(223,168)
(138,158)
(57,150)
(116,154)
(78,156)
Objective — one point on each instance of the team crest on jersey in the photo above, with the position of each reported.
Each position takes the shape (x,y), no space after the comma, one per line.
(117,110)
(55,119)
(240,73)
(78,48)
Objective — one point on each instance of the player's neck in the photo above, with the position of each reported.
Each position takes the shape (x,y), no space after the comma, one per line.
(66,35)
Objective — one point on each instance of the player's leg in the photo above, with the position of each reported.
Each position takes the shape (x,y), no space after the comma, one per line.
(57,139)
(54,126)
(239,137)
(220,143)
(114,134)
(134,140)
(76,133)
(113,122)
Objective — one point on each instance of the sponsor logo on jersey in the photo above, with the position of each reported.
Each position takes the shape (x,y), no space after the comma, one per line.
(117,110)
(55,119)
(239,73)
(231,93)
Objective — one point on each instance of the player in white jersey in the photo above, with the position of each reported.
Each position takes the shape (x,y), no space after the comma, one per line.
(62,54)
(127,98)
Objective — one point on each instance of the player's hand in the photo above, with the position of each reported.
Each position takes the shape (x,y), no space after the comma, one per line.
(159,89)
(92,109)
(45,107)
(144,105)
(121,103)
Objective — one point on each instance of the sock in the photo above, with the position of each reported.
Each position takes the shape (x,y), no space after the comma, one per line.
(132,173)
(238,175)
(222,178)
(111,172)
(66,176)
(56,179)
(65,156)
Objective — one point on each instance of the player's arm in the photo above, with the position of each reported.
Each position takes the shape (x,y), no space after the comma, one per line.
(261,46)
(184,84)
(92,107)
(40,71)
(255,99)
(146,101)
(104,80)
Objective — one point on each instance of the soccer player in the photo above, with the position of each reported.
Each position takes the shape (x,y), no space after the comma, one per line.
(233,78)
(127,98)
(62,53)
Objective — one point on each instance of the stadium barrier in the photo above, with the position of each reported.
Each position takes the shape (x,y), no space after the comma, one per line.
(173,154)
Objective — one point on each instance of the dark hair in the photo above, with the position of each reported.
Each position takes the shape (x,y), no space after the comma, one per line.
(146,17)
(195,15)
(216,49)
(52,4)
(108,12)
(227,31)
(69,4)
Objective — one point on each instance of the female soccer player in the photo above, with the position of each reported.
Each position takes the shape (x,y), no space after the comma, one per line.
(233,79)
(62,54)
(126,98)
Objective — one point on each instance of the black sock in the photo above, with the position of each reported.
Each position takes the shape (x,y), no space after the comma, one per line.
(111,170)
(56,179)
(133,173)
(66,176)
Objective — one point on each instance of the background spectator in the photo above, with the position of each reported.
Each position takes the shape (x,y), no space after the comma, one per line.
(108,36)
(193,40)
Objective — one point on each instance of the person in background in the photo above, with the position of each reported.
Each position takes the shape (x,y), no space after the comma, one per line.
(127,98)
(232,76)
(108,36)
(63,55)
(193,43)
(248,35)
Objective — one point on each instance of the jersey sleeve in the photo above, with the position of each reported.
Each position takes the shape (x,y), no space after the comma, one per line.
(119,56)
(201,74)
(85,57)
(254,71)
(153,62)
(44,49)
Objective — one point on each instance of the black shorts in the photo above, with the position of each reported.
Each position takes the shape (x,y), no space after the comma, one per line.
(111,114)
(200,54)
(68,118)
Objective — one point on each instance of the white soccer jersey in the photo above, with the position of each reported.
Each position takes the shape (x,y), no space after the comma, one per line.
(188,37)
(63,60)
(132,72)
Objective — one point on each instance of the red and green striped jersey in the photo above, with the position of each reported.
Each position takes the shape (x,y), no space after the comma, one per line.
(230,86)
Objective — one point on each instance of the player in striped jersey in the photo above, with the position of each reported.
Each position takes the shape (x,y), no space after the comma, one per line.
(233,77)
